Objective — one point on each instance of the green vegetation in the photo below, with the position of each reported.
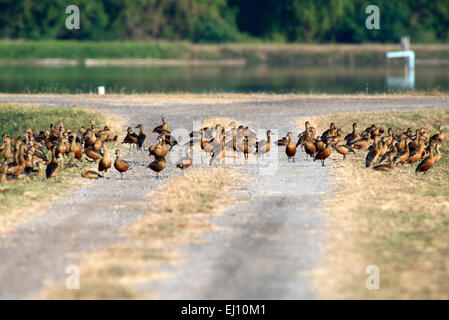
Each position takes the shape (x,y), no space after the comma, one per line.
(10,50)
(15,119)
(253,53)
(397,221)
(318,21)
(20,200)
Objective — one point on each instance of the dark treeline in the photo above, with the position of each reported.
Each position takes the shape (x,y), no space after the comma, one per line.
(319,21)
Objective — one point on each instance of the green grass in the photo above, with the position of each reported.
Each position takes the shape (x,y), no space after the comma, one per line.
(18,50)
(254,53)
(15,119)
(22,199)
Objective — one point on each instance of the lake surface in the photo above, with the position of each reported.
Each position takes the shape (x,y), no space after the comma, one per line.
(314,79)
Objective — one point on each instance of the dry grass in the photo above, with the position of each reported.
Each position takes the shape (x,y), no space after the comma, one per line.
(114,272)
(398,221)
(210,123)
(158,99)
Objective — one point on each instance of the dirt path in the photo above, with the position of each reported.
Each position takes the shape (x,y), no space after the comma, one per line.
(268,241)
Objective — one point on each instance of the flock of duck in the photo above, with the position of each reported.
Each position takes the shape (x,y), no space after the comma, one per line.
(407,147)
(46,153)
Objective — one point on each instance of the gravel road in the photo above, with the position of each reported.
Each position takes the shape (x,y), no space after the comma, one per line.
(267,244)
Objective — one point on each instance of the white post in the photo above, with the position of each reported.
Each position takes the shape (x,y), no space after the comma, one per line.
(101,90)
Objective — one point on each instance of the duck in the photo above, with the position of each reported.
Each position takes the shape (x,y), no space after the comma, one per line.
(361,143)
(319,144)
(186,161)
(402,156)
(264,146)
(373,155)
(353,135)
(429,161)
(162,127)
(290,149)
(90,174)
(303,135)
(52,169)
(439,136)
(393,151)
(325,153)
(416,155)
(343,149)
(310,147)
(386,167)
(141,137)
(171,141)
(157,165)
(75,148)
(105,162)
(90,138)
(5,179)
(93,154)
(332,131)
(219,153)
(246,148)
(120,165)
(130,138)
(159,150)
(283,141)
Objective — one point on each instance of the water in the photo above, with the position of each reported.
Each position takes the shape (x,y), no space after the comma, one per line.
(313,79)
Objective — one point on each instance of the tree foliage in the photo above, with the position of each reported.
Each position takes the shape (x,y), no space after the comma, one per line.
(318,21)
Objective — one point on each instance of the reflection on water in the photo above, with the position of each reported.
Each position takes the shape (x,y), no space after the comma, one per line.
(405,82)
(314,79)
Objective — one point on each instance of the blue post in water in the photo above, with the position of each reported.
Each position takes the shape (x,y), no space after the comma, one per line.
(410,77)
(403,54)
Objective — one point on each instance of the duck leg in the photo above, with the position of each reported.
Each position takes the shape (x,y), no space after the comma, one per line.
(322,163)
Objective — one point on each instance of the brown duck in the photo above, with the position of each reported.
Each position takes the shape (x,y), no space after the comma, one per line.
(141,137)
(325,153)
(90,174)
(130,138)
(105,162)
(428,162)
(290,149)
(353,135)
(264,146)
(162,127)
(373,155)
(343,149)
(415,156)
(157,166)
(361,143)
(52,169)
(186,161)
(93,154)
(120,165)
(402,156)
(310,147)
(386,167)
